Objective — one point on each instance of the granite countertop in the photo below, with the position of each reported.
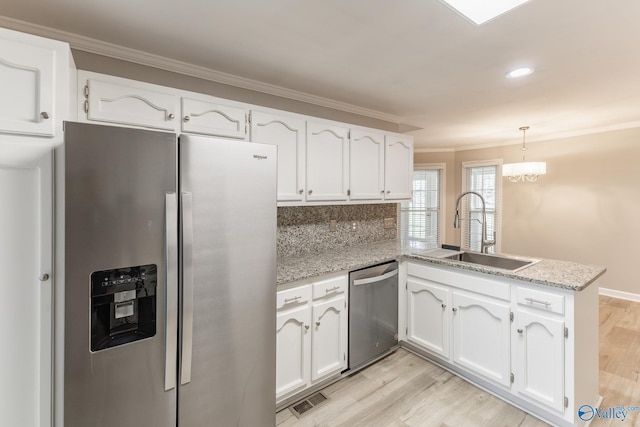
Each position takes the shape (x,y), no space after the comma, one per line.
(560,274)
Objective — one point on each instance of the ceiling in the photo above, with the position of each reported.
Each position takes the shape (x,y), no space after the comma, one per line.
(415,62)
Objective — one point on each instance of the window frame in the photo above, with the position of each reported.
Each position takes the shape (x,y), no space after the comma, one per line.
(441,232)
(466,166)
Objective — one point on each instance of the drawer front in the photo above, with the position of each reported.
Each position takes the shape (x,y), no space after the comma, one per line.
(541,300)
(293,297)
(330,287)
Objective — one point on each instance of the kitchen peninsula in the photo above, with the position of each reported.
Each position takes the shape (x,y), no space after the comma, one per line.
(528,336)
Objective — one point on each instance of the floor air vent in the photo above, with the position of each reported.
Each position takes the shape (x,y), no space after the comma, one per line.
(308,404)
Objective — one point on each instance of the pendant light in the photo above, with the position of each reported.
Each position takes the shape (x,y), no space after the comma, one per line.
(524,171)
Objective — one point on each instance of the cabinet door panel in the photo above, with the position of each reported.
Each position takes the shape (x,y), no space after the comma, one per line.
(540,359)
(293,345)
(327,162)
(129,105)
(428,320)
(366,168)
(398,170)
(329,339)
(27,87)
(481,331)
(288,133)
(209,118)
(27,314)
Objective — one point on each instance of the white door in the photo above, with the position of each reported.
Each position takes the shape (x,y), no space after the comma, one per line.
(293,351)
(366,165)
(428,316)
(481,332)
(539,359)
(329,338)
(131,103)
(327,162)
(398,169)
(288,133)
(26,319)
(27,88)
(210,118)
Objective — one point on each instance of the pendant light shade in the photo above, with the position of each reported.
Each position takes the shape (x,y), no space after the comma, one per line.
(524,171)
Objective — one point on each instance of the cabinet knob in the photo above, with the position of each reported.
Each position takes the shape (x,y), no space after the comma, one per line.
(454,309)
(388,191)
(444,306)
(44,115)
(186,118)
(306,327)
(310,191)
(43,277)
(519,331)
(382,192)
(317,323)
(300,191)
(171,116)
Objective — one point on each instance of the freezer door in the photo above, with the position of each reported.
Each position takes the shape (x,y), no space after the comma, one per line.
(228,208)
(118,215)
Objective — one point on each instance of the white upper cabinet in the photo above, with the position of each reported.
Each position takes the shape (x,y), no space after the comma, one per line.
(398,179)
(120,101)
(212,118)
(327,165)
(34,84)
(366,167)
(288,133)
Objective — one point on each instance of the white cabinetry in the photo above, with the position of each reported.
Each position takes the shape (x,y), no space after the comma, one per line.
(481,335)
(288,133)
(398,178)
(311,336)
(429,315)
(208,117)
(366,166)
(539,357)
(533,345)
(293,341)
(327,165)
(34,101)
(126,102)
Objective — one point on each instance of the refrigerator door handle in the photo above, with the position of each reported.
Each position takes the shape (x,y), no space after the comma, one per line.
(171,289)
(187,287)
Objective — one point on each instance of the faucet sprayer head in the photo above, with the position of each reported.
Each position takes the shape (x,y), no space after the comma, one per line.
(456,220)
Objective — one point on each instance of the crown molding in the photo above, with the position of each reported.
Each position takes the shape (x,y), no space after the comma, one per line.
(98,47)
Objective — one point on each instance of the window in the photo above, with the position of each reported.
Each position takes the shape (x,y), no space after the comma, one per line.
(483,178)
(422,216)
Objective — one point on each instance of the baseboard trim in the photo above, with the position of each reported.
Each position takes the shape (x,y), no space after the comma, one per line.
(620,294)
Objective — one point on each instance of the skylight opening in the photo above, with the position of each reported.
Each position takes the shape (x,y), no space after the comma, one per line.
(480,12)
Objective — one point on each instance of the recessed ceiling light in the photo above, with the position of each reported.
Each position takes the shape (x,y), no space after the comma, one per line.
(482,11)
(519,72)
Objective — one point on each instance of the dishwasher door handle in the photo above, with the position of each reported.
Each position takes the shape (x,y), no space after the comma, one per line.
(374,279)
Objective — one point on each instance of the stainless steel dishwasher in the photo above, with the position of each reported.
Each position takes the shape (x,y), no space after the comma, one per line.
(373,313)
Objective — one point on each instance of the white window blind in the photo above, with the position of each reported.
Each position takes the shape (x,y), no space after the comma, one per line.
(484,179)
(421,216)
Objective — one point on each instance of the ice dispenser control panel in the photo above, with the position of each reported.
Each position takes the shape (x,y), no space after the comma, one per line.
(123,305)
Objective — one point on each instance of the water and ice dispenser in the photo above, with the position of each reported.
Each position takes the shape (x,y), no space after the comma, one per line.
(123,305)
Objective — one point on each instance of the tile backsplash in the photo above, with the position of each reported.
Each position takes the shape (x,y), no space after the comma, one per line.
(305,229)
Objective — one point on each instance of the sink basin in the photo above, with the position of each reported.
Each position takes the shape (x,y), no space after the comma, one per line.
(495,261)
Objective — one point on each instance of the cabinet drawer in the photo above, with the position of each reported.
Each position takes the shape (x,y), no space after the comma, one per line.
(293,297)
(541,300)
(330,287)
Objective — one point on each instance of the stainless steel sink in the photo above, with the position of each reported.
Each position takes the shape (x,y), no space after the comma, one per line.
(495,261)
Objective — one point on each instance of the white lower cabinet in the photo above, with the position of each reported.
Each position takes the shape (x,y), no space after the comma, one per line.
(293,347)
(428,316)
(311,334)
(481,335)
(540,354)
(533,345)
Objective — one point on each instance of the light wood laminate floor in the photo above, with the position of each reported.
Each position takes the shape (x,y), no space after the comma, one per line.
(405,390)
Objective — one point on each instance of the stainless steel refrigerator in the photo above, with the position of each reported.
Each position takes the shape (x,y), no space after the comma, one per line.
(169,279)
